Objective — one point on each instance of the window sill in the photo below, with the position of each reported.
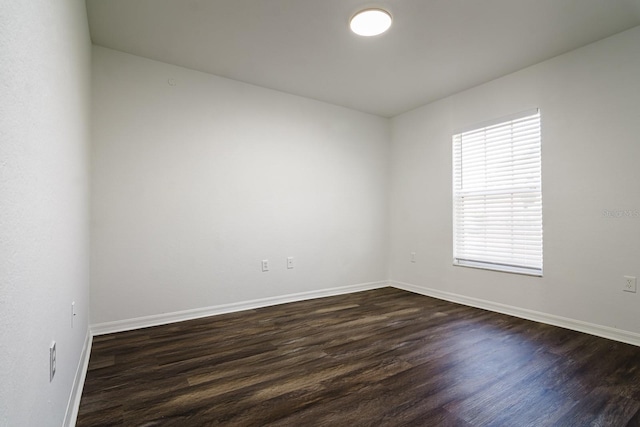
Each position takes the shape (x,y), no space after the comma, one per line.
(498,267)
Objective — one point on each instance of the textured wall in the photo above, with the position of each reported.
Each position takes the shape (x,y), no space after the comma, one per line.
(197,178)
(44,234)
(590,113)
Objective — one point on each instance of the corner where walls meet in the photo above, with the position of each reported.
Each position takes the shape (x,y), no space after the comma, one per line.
(197,179)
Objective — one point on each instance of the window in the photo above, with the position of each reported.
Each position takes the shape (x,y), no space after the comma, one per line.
(497,195)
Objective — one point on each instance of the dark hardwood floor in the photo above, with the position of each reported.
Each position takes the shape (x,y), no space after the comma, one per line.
(378,358)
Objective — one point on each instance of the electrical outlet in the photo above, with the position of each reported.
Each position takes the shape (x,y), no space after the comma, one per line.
(290,262)
(52,361)
(265,265)
(630,284)
(413,257)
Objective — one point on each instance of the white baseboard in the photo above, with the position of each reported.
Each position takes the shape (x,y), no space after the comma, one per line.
(537,316)
(179,316)
(78,383)
(161,319)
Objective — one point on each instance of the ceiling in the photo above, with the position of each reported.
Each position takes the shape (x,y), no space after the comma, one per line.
(434,48)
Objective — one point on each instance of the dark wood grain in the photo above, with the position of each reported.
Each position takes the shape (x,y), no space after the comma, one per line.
(377,358)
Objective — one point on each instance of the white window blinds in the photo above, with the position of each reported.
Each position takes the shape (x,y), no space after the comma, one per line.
(497,195)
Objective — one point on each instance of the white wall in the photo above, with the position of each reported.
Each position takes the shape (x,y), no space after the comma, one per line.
(193,184)
(44,205)
(590,106)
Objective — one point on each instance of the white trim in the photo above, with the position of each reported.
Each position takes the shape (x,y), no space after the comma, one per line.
(523,313)
(143,322)
(179,316)
(73,405)
(535,272)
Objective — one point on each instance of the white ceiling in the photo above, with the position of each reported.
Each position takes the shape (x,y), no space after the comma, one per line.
(434,48)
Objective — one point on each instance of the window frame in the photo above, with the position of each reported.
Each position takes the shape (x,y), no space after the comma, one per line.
(516,192)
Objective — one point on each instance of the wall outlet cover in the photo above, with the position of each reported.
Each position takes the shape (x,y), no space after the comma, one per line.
(630,284)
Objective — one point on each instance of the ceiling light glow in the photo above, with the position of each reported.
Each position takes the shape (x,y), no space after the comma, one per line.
(370,22)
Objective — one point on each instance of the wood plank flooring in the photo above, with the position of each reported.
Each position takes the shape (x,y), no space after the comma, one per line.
(377,358)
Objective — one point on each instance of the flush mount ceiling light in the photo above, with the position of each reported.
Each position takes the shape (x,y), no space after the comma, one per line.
(370,22)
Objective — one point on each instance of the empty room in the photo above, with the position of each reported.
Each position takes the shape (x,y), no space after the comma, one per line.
(319,213)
